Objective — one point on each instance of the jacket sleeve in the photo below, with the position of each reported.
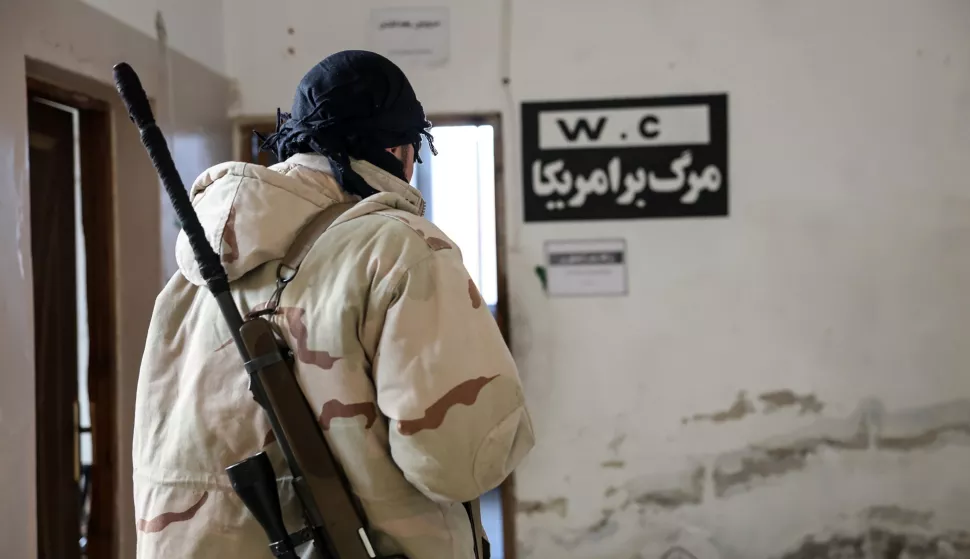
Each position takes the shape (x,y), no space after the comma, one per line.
(448,385)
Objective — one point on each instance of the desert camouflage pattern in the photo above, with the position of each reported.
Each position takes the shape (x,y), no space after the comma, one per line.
(415,388)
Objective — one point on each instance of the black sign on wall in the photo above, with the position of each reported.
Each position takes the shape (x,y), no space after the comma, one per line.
(625,158)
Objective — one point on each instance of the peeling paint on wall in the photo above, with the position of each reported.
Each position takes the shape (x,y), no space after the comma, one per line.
(656,492)
(884,544)
(871,434)
(615,444)
(663,492)
(925,439)
(557,506)
(807,403)
(692,494)
(598,531)
(782,455)
(895,514)
(868,427)
(605,528)
(772,402)
(742,406)
(925,427)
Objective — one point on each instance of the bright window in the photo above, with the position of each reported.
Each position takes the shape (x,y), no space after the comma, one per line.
(459,187)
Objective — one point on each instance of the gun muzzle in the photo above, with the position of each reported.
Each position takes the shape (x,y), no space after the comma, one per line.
(254,480)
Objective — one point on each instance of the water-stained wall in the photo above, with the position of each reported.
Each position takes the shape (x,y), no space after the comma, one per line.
(791,381)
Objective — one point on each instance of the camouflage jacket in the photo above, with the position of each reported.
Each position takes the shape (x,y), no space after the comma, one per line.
(415,388)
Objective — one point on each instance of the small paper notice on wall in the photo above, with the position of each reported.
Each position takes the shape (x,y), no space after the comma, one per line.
(411,35)
(586,268)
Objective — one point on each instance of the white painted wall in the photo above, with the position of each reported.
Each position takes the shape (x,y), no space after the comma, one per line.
(841,273)
(74,45)
(259,41)
(194,27)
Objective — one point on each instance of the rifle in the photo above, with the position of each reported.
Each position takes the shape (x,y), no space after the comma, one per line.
(318,482)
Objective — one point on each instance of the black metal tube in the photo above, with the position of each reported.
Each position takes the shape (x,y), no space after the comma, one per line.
(140,112)
(254,481)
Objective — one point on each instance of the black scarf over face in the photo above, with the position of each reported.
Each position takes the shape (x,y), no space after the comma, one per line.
(353,104)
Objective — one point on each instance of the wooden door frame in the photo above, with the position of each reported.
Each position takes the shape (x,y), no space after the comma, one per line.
(98,219)
(53,247)
(243,134)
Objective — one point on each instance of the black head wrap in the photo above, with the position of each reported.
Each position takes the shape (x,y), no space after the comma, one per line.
(353,104)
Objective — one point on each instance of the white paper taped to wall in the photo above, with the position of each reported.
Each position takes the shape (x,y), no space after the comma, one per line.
(587,267)
(411,35)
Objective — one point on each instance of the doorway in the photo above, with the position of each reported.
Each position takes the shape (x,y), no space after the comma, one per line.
(463,189)
(72,248)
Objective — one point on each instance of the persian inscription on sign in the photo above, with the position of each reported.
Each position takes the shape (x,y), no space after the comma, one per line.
(625,158)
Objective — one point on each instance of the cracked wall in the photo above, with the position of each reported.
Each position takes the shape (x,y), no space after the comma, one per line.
(834,485)
(776,376)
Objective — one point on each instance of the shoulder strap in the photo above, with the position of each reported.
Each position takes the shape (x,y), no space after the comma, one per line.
(293,258)
(474,510)
(308,236)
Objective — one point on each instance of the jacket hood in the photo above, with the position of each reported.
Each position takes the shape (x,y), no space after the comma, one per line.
(252,214)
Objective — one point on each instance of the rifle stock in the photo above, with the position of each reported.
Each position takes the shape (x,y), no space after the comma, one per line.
(316,478)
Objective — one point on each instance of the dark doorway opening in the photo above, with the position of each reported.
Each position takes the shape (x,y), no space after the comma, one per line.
(72,247)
